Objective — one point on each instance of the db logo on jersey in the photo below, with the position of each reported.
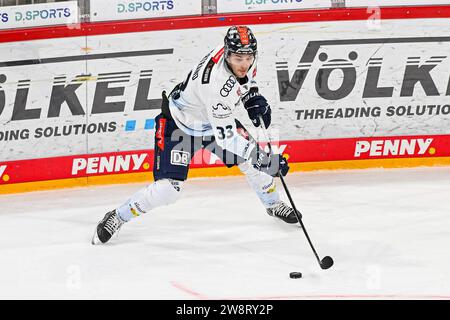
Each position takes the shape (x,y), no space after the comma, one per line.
(227,87)
(179,158)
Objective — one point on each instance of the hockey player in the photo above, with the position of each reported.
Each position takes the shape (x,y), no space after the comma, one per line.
(198,113)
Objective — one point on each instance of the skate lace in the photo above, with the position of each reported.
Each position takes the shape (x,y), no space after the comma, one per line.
(113,224)
(282,210)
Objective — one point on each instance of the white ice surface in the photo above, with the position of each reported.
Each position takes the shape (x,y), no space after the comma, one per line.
(387,230)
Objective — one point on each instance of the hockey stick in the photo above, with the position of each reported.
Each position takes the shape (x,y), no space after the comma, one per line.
(327,261)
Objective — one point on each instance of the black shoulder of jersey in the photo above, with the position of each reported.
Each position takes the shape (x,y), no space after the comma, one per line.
(207,72)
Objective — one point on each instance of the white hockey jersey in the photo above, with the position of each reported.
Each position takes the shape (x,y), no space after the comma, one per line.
(205,103)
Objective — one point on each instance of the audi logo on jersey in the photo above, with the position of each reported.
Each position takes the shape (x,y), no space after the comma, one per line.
(228,86)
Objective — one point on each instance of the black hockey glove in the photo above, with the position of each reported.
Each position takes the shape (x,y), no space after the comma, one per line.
(257,106)
(272,164)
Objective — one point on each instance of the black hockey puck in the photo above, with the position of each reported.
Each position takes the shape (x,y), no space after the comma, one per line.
(295,275)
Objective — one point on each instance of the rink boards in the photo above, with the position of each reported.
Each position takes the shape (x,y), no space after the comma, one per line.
(78,108)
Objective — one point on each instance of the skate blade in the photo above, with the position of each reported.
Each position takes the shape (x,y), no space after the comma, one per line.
(95,239)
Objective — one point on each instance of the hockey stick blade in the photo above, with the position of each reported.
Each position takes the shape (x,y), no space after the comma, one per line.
(326,263)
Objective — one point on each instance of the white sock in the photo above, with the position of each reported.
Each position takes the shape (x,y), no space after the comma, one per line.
(159,193)
(261,183)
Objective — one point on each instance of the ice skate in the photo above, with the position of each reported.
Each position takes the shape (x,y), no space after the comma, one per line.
(283,212)
(107,227)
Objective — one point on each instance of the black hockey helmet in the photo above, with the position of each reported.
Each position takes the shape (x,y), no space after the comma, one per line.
(240,39)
